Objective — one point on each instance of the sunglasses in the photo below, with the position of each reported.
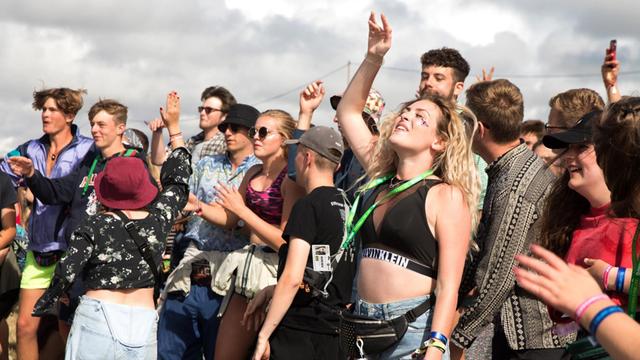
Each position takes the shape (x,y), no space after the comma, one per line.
(207,109)
(233,127)
(262,132)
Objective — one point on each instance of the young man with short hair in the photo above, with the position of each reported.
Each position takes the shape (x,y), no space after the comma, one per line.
(518,185)
(299,322)
(532,132)
(188,324)
(56,154)
(570,106)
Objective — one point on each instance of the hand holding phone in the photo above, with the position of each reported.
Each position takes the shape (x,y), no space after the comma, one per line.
(613,45)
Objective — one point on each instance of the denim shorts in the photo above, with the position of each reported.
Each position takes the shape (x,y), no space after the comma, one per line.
(102,330)
(416,334)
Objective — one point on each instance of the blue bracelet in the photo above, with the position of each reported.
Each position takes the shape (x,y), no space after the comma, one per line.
(620,279)
(439,336)
(601,315)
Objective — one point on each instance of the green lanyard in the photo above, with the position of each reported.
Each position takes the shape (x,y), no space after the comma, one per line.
(635,277)
(92,169)
(353,229)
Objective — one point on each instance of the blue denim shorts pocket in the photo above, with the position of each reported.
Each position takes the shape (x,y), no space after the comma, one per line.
(102,331)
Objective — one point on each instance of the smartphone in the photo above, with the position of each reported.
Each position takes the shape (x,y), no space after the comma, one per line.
(613,44)
(13,153)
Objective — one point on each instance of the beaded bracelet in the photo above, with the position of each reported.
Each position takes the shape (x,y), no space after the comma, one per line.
(601,315)
(585,305)
(620,279)
(605,277)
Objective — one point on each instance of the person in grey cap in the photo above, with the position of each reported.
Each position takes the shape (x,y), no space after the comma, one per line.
(188,323)
(300,319)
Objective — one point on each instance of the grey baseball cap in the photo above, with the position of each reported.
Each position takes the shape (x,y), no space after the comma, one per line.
(323,140)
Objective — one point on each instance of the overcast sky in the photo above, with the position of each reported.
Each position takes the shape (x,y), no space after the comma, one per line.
(264,51)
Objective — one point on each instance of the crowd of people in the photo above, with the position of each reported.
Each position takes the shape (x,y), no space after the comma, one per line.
(437,230)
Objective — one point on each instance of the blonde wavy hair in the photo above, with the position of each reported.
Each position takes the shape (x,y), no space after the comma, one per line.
(455,165)
(286,125)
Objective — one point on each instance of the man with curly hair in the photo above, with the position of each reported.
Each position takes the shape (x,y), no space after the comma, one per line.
(443,73)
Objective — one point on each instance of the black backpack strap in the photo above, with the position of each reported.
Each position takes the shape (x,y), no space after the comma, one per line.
(142,244)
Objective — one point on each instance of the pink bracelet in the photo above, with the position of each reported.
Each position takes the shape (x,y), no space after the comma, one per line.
(605,277)
(590,301)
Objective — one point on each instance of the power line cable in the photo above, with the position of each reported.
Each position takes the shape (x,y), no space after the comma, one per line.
(302,86)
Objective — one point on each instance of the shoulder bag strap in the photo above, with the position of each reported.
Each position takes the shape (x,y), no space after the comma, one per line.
(142,244)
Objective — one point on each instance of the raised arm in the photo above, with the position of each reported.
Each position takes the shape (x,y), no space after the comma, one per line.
(310,98)
(610,69)
(349,112)
(158,151)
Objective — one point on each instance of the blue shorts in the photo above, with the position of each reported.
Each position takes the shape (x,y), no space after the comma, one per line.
(100,328)
(417,333)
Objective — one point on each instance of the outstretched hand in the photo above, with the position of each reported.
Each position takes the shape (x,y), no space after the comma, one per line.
(562,286)
(171,113)
(311,97)
(379,36)
(21,166)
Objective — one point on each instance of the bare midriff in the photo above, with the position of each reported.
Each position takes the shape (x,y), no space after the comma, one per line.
(381,282)
(130,297)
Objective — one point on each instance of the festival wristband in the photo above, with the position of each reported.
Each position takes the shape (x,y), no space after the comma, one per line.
(435,343)
(605,277)
(601,315)
(585,305)
(439,336)
(620,279)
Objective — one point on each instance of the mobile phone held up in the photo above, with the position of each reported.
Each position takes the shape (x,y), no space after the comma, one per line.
(613,44)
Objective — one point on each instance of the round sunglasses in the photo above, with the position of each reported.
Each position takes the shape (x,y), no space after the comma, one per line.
(262,132)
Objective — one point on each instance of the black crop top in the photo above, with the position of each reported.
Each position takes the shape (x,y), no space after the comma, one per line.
(403,229)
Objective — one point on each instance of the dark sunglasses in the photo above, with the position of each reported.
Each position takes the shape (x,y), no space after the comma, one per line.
(233,127)
(207,109)
(262,132)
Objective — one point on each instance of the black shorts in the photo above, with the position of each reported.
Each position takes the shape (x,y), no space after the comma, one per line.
(7,301)
(287,343)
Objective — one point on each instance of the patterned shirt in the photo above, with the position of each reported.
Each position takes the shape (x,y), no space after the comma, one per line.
(517,189)
(207,173)
(104,254)
(200,148)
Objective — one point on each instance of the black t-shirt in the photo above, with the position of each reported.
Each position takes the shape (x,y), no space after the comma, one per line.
(318,219)
(8,196)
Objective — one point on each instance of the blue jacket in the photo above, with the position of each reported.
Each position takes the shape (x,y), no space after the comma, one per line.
(47,223)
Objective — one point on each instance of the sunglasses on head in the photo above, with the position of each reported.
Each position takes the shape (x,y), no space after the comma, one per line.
(207,109)
(233,127)
(262,132)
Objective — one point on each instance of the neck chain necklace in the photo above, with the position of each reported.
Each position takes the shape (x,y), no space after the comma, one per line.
(394,182)
(54,156)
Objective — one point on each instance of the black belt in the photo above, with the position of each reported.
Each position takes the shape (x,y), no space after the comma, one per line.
(405,262)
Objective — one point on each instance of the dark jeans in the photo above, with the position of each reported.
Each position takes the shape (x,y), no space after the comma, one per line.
(188,325)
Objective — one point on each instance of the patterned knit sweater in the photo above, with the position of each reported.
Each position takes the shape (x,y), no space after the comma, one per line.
(518,186)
